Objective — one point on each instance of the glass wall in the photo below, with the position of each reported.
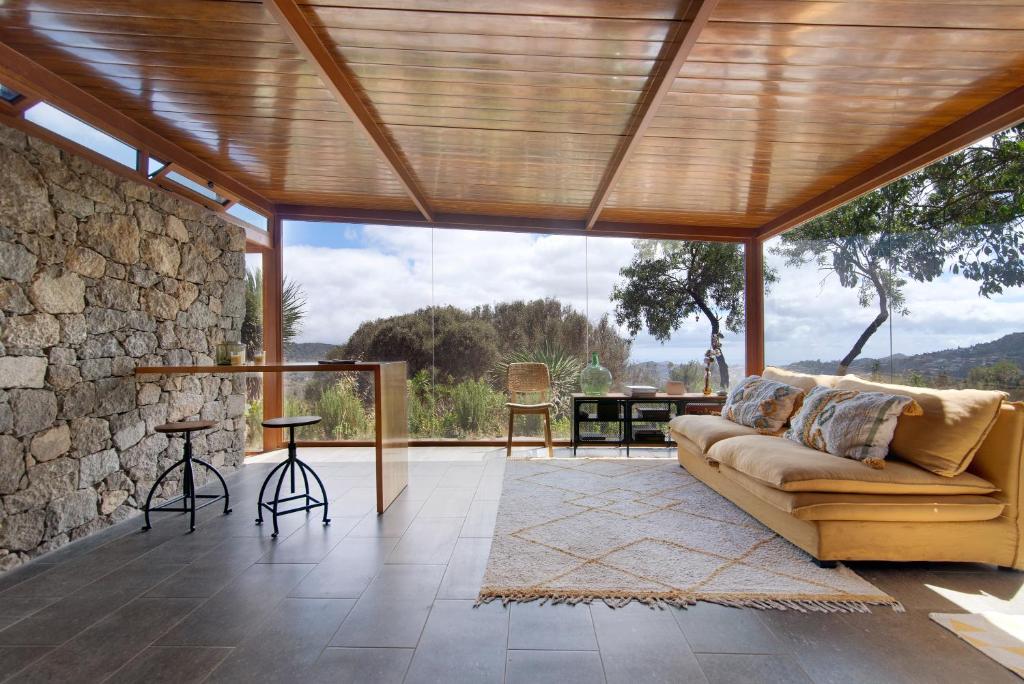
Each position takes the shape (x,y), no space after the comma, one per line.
(252,337)
(918,283)
(459,305)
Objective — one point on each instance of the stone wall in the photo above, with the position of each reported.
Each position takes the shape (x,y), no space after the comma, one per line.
(99,274)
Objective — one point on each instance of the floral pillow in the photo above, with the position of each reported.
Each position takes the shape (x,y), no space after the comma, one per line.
(761,403)
(848,423)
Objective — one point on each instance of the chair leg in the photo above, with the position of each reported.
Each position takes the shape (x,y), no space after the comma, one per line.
(511,423)
(227,496)
(547,434)
(152,491)
(263,489)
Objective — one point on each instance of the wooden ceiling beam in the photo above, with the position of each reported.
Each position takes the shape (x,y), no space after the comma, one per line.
(693,18)
(992,118)
(514,224)
(30,78)
(340,81)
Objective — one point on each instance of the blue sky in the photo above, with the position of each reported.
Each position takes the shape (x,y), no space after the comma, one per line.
(353,273)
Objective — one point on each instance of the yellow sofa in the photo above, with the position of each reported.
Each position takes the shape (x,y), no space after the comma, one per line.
(838,509)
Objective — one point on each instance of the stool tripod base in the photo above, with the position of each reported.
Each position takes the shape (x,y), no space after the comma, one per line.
(306,500)
(188,496)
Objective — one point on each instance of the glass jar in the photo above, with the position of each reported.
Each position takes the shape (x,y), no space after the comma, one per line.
(226,349)
(595,380)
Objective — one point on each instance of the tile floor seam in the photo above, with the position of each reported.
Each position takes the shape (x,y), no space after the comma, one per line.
(153,642)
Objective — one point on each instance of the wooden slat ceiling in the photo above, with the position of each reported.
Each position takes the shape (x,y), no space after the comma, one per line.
(517,109)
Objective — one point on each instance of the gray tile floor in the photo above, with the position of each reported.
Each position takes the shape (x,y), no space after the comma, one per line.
(390,599)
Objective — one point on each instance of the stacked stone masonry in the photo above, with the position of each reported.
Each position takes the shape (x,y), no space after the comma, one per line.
(99,274)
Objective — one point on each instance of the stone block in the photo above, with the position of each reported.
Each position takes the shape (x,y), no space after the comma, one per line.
(115,236)
(12,464)
(52,443)
(71,511)
(161,254)
(95,467)
(90,435)
(33,331)
(58,294)
(22,532)
(79,401)
(22,371)
(34,410)
(13,299)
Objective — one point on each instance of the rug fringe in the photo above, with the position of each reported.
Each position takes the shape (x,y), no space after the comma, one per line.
(662,600)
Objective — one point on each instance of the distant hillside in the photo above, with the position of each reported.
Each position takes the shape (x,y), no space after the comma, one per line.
(308,351)
(955,363)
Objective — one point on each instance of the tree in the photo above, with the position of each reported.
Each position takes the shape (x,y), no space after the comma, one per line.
(293,310)
(691,374)
(962,214)
(670,282)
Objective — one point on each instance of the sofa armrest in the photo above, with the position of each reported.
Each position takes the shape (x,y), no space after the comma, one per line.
(1000,460)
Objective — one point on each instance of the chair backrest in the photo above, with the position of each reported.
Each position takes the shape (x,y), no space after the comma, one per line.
(529,378)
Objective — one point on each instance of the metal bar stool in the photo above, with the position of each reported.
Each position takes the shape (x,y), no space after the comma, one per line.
(188,482)
(288,467)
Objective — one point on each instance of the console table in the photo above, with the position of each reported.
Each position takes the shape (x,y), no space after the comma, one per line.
(637,420)
(390,411)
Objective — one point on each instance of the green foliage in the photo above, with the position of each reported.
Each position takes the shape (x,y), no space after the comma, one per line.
(690,374)
(467,349)
(293,310)
(1001,375)
(563,367)
(475,409)
(962,214)
(469,343)
(254,425)
(671,282)
(424,418)
(344,413)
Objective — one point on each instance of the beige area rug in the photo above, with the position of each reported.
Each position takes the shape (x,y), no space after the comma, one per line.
(998,635)
(617,530)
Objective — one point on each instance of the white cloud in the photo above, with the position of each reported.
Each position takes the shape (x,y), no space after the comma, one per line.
(390,270)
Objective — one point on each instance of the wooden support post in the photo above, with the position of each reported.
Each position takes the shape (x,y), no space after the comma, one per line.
(273,345)
(754,305)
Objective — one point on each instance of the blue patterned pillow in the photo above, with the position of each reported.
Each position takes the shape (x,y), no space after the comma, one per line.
(761,403)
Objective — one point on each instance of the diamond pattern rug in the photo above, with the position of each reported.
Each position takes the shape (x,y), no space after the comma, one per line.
(618,530)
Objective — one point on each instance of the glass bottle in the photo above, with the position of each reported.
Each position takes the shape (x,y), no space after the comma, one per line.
(595,380)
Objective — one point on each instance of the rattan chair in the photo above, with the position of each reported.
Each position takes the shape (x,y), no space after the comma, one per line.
(529,381)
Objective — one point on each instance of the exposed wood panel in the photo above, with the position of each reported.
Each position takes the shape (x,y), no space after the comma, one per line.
(517,113)
(338,79)
(778,103)
(677,49)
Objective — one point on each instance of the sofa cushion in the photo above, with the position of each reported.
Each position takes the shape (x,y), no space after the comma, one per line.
(791,467)
(952,426)
(705,431)
(762,404)
(804,381)
(848,423)
(873,507)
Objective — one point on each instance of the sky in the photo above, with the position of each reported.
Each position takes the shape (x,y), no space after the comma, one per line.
(354,273)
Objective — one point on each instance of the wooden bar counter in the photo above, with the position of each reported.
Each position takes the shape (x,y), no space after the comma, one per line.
(390,411)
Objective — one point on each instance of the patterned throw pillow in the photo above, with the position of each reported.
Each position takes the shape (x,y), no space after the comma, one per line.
(848,423)
(761,403)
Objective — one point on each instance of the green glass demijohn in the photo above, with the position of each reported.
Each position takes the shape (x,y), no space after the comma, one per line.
(595,380)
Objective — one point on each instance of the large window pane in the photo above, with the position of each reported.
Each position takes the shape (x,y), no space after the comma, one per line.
(459,305)
(917,283)
(252,337)
(341,281)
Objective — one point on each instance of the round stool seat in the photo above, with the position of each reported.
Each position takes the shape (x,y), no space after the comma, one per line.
(291,421)
(186,426)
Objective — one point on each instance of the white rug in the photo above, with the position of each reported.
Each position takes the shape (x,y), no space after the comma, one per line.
(998,635)
(618,530)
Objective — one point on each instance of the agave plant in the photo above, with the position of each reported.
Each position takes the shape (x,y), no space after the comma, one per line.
(563,367)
